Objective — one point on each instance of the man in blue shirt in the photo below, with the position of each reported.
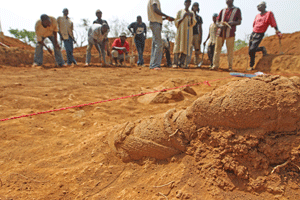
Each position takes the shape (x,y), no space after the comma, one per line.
(139,31)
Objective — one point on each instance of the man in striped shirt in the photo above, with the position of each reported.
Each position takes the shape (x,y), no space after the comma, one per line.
(227,21)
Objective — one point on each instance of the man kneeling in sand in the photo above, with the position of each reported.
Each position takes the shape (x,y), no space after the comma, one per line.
(120,49)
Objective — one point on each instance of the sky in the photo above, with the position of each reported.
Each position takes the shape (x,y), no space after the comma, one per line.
(24,14)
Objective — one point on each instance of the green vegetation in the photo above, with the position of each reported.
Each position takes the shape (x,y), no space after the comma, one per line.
(25,36)
(238,44)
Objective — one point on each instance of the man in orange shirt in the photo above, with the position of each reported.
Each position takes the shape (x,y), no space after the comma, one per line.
(47,27)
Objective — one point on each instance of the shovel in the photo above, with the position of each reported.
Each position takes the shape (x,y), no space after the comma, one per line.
(280,47)
(199,65)
(132,58)
(51,53)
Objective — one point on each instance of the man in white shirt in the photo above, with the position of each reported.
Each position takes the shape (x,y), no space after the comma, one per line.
(97,33)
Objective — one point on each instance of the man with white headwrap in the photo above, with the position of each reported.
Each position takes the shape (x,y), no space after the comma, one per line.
(260,26)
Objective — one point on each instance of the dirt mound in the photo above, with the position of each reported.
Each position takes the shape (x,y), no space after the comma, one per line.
(280,59)
(269,103)
(290,45)
(264,104)
(237,134)
(168,96)
(146,138)
(13,42)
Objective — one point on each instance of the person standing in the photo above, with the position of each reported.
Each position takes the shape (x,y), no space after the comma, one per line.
(99,19)
(155,17)
(227,21)
(184,22)
(46,27)
(197,35)
(212,39)
(120,49)
(260,26)
(103,44)
(97,33)
(139,31)
(65,30)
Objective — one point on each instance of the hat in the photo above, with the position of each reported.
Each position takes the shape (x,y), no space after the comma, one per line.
(215,15)
(262,3)
(97,11)
(123,34)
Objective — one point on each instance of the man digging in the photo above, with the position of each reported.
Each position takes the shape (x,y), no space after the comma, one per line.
(47,27)
(97,33)
(99,20)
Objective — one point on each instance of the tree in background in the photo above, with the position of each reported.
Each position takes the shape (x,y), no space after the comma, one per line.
(169,30)
(25,36)
(81,32)
(238,44)
(117,27)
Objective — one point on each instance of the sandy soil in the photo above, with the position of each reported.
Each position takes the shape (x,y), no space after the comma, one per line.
(66,154)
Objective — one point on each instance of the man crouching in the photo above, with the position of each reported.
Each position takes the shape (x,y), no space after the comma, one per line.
(120,49)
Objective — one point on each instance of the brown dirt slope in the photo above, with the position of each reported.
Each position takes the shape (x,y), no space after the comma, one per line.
(13,42)
(275,62)
(232,139)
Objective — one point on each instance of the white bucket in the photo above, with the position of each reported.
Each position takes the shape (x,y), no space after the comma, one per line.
(132,60)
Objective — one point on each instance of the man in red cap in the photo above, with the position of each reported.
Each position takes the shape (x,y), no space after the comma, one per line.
(260,26)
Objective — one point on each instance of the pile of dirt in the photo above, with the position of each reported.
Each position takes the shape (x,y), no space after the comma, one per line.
(290,45)
(168,96)
(241,130)
(13,42)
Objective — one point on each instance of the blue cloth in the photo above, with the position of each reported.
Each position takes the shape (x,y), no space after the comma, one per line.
(156,51)
(69,50)
(242,75)
(38,55)
(140,46)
